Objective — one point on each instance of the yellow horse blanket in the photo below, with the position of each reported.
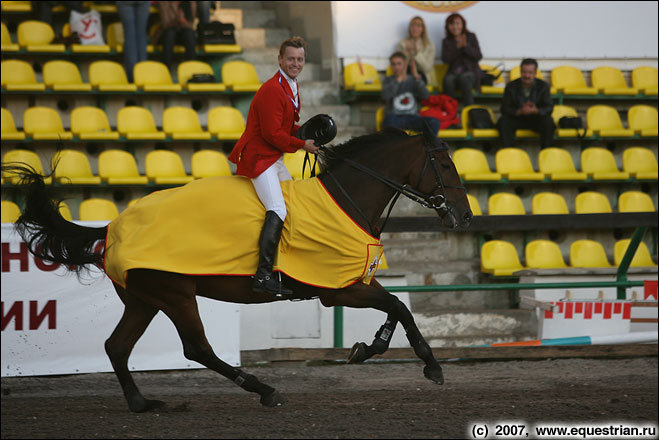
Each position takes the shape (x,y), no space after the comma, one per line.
(211,227)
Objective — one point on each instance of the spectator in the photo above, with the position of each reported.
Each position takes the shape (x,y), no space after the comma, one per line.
(460,50)
(204,11)
(402,93)
(418,49)
(134,19)
(527,104)
(176,26)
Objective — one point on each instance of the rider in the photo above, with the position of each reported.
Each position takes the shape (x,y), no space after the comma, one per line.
(270,132)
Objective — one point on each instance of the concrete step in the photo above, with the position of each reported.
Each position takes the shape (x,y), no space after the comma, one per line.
(254,38)
(319,92)
(340,113)
(259,18)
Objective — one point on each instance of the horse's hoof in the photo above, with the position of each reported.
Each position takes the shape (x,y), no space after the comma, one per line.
(434,374)
(357,353)
(146,405)
(273,399)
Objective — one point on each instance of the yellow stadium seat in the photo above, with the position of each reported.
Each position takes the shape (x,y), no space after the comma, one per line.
(561,111)
(591,202)
(515,164)
(515,73)
(96,209)
(16,6)
(600,164)
(610,81)
(635,201)
(474,205)
(641,163)
(557,164)
(36,36)
(499,258)
(226,123)
(26,157)
(64,211)
(43,123)
(91,123)
(118,167)
(479,132)
(505,204)
(544,254)
(472,165)
(137,123)
(379,118)
(109,76)
(9,131)
(19,75)
(209,163)
(645,79)
(641,258)
(570,81)
(132,202)
(166,168)
(114,36)
(604,121)
(294,163)
(642,119)
(183,123)
(7,44)
(588,253)
(72,167)
(240,76)
(440,73)
(153,76)
(185,71)
(548,203)
(499,84)
(361,77)
(10,212)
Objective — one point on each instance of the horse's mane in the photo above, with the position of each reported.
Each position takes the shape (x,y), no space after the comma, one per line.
(330,156)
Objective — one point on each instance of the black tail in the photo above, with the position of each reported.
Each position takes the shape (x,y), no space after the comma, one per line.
(47,234)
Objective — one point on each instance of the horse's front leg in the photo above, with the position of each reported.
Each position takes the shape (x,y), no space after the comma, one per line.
(375,296)
(361,352)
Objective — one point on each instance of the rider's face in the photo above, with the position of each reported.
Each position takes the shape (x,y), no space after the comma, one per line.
(292,61)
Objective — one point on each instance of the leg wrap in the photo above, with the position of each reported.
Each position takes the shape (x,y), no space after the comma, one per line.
(383,337)
(250,383)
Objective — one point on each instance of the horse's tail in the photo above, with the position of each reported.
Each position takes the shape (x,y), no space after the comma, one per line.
(47,234)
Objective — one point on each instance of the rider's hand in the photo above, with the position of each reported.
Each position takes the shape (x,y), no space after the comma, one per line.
(310,146)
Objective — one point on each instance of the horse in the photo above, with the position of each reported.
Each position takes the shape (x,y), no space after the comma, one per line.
(362,175)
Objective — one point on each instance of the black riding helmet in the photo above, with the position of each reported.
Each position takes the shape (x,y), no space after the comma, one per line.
(321,128)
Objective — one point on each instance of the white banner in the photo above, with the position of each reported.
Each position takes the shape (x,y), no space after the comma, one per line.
(54,324)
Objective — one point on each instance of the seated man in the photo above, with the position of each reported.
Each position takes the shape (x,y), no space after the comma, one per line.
(527,104)
(402,94)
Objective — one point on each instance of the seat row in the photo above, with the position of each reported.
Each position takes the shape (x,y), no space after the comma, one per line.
(109,76)
(26,6)
(133,123)
(499,257)
(118,167)
(550,203)
(565,80)
(555,164)
(94,209)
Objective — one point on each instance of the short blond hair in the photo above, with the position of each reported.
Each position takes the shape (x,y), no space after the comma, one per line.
(296,42)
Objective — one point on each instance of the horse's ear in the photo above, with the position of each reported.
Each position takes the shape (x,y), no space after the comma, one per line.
(428,135)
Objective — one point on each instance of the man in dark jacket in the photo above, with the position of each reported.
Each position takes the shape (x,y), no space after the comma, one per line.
(527,104)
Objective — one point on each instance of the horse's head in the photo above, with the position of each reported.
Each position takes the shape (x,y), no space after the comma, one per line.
(436,177)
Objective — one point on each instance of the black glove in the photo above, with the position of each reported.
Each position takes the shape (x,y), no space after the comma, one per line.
(321,128)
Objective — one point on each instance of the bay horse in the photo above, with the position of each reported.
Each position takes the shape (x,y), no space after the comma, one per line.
(362,175)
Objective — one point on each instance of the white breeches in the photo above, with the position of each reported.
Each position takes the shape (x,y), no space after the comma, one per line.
(268,188)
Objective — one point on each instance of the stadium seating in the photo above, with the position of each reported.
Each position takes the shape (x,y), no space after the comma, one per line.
(515,73)
(548,203)
(643,120)
(96,209)
(153,76)
(515,164)
(499,84)
(505,204)
(137,123)
(19,75)
(63,76)
(91,123)
(472,165)
(544,254)
(226,123)
(640,163)
(499,258)
(183,123)
(43,123)
(185,71)
(36,36)
(109,76)
(114,36)
(569,80)
(591,202)
(166,168)
(294,163)
(72,167)
(10,211)
(84,48)
(240,76)
(474,205)
(610,81)
(478,132)
(604,121)
(641,258)
(557,164)
(209,163)
(9,131)
(64,211)
(588,253)
(600,164)
(360,77)
(645,79)
(635,201)
(117,167)
(561,111)
(379,118)
(440,73)
(27,157)
(7,44)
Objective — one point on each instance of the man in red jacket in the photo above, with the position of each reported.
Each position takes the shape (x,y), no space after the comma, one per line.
(270,132)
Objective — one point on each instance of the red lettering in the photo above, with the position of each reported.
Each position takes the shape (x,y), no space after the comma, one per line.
(46,267)
(49,310)
(15,312)
(7,256)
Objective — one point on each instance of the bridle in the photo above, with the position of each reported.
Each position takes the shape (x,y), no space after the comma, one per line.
(431,200)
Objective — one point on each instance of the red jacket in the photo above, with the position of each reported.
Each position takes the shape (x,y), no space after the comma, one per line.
(270,128)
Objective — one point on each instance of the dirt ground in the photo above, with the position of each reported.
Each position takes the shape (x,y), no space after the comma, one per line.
(372,400)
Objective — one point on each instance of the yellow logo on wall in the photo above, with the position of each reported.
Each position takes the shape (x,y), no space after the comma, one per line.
(431,6)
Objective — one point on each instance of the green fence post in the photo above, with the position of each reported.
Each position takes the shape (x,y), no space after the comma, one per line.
(338,327)
(627,259)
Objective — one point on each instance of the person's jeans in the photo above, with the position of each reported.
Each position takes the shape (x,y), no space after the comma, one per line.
(464,81)
(171,36)
(543,124)
(411,122)
(203,12)
(134,19)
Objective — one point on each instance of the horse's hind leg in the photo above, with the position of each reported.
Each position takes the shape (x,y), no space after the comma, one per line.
(136,318)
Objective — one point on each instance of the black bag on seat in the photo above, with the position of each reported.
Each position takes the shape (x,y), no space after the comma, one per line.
(480,118)
(570,122)
(200,78)
(216,33)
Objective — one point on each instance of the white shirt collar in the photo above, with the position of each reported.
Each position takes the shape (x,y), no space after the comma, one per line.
(291,82)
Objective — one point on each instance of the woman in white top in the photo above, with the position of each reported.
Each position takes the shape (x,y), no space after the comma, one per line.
(419,50)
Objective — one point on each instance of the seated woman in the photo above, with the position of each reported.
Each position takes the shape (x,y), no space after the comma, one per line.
(460,50)
(419,50)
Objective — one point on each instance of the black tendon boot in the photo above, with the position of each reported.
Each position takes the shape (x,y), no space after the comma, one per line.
(264,280)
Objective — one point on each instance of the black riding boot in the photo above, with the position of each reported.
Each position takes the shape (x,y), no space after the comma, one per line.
(264,280)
